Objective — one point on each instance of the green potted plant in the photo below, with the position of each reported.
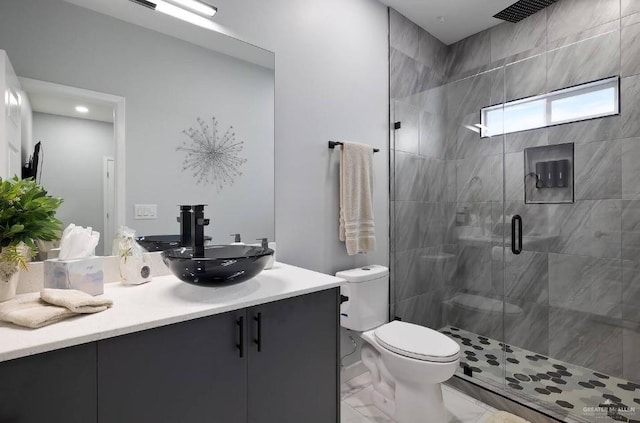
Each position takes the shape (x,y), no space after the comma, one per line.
(27,214)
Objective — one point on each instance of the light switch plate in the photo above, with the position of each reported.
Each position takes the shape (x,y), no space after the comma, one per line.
(145,211)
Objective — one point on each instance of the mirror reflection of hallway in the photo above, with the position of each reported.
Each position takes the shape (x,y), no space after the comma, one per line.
(74,143)
(72,167)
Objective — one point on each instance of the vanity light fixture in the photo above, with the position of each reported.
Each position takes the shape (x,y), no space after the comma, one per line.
(82,109)
(192,11)
(197,6)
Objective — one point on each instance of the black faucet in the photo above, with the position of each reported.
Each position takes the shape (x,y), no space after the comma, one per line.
(185,225)
(198,222)
(192,223)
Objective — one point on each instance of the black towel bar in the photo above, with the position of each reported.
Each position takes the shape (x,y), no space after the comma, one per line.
(333,144)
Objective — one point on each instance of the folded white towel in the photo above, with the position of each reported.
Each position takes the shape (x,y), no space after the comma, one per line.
(32,312)
(357,228)
(74,300)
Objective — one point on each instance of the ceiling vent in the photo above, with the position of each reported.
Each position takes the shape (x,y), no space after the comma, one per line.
(522,9)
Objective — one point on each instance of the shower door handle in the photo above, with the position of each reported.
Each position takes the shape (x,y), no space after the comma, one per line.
(516,220)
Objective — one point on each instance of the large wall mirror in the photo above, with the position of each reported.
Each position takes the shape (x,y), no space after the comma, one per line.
(132,113)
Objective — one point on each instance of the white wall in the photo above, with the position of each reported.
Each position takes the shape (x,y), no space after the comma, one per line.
(332,82)
(72,166)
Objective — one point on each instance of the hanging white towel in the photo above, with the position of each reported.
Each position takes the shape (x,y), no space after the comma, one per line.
(357,228)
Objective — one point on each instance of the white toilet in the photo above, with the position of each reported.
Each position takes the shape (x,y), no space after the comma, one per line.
(408,362)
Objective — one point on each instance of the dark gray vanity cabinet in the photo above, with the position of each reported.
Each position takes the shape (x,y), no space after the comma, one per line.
(293,352)
(272,363)
(285,369)
(185,372)
(57,386)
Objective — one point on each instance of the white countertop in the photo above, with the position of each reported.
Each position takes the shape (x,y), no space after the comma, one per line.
(163,301)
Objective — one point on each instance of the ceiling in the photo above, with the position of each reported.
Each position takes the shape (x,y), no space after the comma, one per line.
(461,17)
(65,105)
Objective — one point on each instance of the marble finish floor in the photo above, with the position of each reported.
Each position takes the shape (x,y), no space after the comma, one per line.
(565,388)
(357,405)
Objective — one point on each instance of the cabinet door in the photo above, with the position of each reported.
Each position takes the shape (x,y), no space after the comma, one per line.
(58,386)
(189,372)
(293,375)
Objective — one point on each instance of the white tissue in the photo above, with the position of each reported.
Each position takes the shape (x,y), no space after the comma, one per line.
(78,242)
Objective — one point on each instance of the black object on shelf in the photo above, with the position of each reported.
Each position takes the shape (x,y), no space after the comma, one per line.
(549,174)
(541,173)
(552,174)
(562,174)
(333,144)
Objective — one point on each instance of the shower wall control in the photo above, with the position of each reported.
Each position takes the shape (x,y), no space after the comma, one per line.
(548,174)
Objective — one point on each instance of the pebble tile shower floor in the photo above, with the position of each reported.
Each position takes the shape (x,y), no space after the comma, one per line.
(563,387)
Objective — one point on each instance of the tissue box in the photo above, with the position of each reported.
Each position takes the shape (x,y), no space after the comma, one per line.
(82,274)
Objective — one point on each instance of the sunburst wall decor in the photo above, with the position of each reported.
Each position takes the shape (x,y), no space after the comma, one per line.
(213,158)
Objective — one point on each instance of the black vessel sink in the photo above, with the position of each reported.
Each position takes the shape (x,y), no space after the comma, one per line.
(161,242)
(221,264)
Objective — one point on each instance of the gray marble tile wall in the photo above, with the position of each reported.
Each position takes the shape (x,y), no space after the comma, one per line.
(422,266)
(574,292)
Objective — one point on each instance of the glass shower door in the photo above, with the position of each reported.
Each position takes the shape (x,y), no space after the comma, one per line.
(473,302)
(571,336)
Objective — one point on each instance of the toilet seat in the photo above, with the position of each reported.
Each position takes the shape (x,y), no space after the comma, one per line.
(417,342)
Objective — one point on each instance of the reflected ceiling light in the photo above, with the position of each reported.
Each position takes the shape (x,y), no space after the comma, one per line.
(82,109)
(178,9)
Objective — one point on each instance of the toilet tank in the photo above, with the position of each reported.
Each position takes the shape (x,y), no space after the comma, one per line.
(367,290)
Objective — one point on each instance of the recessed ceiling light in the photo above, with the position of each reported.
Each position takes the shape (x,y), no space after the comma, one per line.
(440,19)
(82,109)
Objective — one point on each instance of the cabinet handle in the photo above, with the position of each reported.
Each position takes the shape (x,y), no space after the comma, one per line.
(258,339)
(240,344)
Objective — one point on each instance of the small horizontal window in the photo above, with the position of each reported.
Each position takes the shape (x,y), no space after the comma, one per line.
(582,102)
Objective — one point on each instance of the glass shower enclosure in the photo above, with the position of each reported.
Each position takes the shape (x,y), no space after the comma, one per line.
(516,223)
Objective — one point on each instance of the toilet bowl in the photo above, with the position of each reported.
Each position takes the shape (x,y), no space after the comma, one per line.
(413,361)
(407,362)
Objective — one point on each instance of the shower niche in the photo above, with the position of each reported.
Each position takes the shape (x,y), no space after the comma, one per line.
(548,174)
